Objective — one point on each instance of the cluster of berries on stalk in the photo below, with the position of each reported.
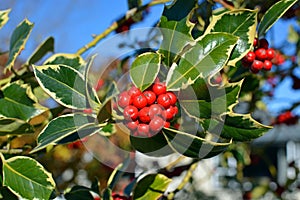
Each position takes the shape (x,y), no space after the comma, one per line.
(260,58)
(146,113)
(287,118)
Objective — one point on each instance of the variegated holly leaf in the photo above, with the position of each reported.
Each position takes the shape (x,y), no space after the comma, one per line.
(42,50)
(18,41)
(13,126)
(144,69)
(17,101)
(64,84)
(4,17)
(27,178)
(273,14)
(73,60)
(208,56)
(241,23)
(238,127)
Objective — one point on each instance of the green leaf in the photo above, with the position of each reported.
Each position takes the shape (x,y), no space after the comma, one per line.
(151,186)
(64,84)
(241,23)
(79,192)
(27,178)
(73,60)
(144,69)
(208,56)
(4,17)
(13,126)
(156,146)
(193,146)
(176,35)
(66,128)
(19,102)
(218,101)
(179,9)
(238,127)
(273,14)
(42,49)
(17,42)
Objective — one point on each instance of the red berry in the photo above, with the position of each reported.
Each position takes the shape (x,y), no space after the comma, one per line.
(155,110)
(261,54)
(139,101)
(255,41)
(143,129)
(151,97)
(267,65)
(173,97)
(164,100)
(169,113)
(250,57)
(256,66)
(167,124)
(156,124)
(270,53)
(263,43)
(134,91)
(88,111)
(130,113)
(132,125)
(124,99)
(144,115)
(159,88)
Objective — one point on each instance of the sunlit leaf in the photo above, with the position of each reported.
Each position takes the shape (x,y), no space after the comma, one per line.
(73,60)
(4,17)
(273,14)
(27,178)
(13,126)
(17,42)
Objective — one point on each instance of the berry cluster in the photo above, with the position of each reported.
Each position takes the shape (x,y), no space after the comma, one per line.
(287,118)
(260,58)
(147,112)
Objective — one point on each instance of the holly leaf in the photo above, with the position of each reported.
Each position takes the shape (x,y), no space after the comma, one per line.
(43,49)
(208,56)
(274,13)
(65,129)
(79,192)
(4,17)
(17,42)
(144,69)
(238,127)
(13,126)
(27,178)
(151,186)
(194,146)
(72,60)
(19,102)
(179,9)
(241,23)
(176,36)
(64,84)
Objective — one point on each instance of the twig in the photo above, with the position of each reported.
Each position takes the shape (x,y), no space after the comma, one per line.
(224,4)
(116,24)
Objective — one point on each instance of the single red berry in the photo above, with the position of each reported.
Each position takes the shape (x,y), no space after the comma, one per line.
(156,124)
(139,101)
(261,54)
(270,53)
(144,115)
(88,111)
(255,42)
(155,110)
(175,110)
(164,100)
(143,130)
(263,43)
(167,124)
(130,113)
(99,85)
(173,98)
(151,97)
(256,66)
(267,65)
(169,113)
(250,57)
(132,125)
(159,88)
(124,99)
(134,91)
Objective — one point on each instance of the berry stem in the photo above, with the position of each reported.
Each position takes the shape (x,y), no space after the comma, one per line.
(118,23)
